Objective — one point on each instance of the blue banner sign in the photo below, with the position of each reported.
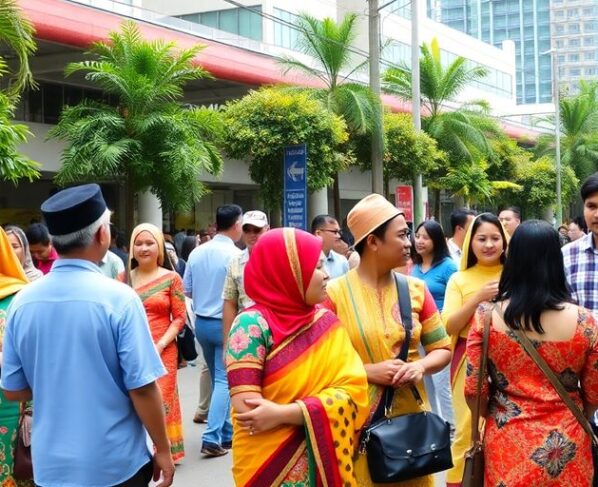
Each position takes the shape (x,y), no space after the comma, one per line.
(295,187)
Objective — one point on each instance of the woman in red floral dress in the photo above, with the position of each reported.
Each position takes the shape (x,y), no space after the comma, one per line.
(531,438)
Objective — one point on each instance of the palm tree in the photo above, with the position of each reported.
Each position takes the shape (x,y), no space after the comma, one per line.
(579,132)
(17,33)
(461,133)
(329,44)
(144,136)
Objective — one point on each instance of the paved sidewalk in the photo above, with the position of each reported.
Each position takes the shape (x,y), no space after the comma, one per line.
(196,471)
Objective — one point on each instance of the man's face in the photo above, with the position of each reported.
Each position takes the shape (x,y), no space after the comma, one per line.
(590,213)
(509,221)
(40,252)
(330,234)
(460,231)
(251,235)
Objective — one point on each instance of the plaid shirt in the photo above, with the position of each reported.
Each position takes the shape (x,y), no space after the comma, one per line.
(581,270)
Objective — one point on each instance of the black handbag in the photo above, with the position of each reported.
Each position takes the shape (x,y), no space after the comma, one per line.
(412,445)
(185,341)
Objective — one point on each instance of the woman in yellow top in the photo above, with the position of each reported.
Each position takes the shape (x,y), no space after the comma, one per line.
(366,302)
(484,251)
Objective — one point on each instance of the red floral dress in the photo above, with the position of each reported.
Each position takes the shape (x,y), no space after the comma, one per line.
(532,439)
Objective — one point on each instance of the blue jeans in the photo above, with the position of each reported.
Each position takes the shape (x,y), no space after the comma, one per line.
(208,332)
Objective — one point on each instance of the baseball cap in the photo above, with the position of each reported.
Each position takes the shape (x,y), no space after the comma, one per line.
(256,218)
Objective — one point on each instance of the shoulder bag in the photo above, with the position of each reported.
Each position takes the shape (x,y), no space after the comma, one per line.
(560,389)
(408,446)
(22,466)
(185,340)
(473,473)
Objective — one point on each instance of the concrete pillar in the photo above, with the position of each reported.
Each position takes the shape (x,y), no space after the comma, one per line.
(149,209)
(317,204)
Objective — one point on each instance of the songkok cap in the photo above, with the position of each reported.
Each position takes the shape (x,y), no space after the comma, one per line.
(368,214)
(73,209)
(256,218)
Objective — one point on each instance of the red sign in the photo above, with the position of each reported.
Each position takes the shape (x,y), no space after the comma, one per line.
(404,201)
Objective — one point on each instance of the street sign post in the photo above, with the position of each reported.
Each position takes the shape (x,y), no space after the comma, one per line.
(295,187)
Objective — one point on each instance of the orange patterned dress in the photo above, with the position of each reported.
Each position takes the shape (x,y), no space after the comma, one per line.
(164,303)
(532,439)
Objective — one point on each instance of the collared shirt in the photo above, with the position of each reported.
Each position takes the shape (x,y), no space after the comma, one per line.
(336,265)
(205,274)
(581,269)
(233,284)
(46,265)
(111,265)
(81,341)
(455,251)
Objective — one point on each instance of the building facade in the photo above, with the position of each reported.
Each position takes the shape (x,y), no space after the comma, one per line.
(575,41)
(241,58)
(525,22)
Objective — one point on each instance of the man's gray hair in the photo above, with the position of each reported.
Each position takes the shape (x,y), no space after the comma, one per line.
(81,238)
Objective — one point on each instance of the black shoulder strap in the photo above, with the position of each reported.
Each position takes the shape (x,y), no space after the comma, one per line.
(405,310)
(402,285)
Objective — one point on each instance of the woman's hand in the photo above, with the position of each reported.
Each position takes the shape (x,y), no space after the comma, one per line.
(408,373)
(382,373)
(267,415)
(488,292)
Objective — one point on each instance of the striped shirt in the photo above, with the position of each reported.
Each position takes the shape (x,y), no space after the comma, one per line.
(581,269)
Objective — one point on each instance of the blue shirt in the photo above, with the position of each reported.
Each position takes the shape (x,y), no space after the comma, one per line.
(336,265)
(436,278)
(205,274)
(81,341)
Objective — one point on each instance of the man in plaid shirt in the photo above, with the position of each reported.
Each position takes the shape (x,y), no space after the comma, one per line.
(581,256)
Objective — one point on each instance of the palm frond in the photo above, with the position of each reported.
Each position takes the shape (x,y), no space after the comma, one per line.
(17,32)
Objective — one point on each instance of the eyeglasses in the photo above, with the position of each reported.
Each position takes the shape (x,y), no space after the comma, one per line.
(337,232)
(406,235)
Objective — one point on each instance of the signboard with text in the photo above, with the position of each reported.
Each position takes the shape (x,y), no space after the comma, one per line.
(404,201)
(295,187)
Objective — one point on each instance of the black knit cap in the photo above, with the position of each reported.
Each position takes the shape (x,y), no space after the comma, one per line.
(73,209)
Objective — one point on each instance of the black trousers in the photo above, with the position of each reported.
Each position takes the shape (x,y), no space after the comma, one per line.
(141,478)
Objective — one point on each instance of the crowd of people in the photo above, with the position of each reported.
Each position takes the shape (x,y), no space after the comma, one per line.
(299,336)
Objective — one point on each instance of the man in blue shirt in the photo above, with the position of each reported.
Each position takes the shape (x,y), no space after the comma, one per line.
(78,344)
(204,281)
(328,229)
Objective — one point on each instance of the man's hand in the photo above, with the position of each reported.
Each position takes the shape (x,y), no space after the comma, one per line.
(163,465)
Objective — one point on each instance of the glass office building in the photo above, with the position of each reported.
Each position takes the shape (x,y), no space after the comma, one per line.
(526,22)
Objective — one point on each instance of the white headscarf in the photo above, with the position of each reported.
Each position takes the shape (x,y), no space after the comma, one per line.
(30,270)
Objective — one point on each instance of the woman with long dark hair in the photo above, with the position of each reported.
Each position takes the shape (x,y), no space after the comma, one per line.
(434,265)
(483,256)
(531,436)
(160,288)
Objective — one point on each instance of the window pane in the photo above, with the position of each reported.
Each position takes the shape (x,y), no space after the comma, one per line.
(209,19)
(228,20)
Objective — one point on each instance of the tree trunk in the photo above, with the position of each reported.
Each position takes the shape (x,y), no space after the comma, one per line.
(437,206)
(130,211)
(337,198)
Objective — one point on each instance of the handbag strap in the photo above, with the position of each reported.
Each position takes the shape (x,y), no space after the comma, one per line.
(552,377)
(402,285)
(475,414)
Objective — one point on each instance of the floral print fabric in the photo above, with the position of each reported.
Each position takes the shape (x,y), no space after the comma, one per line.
(531,437)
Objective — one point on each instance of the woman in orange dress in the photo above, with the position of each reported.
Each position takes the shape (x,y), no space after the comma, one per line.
(161,290)
(531,437)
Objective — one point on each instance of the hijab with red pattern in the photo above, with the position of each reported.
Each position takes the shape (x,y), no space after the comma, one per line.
(277,276)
